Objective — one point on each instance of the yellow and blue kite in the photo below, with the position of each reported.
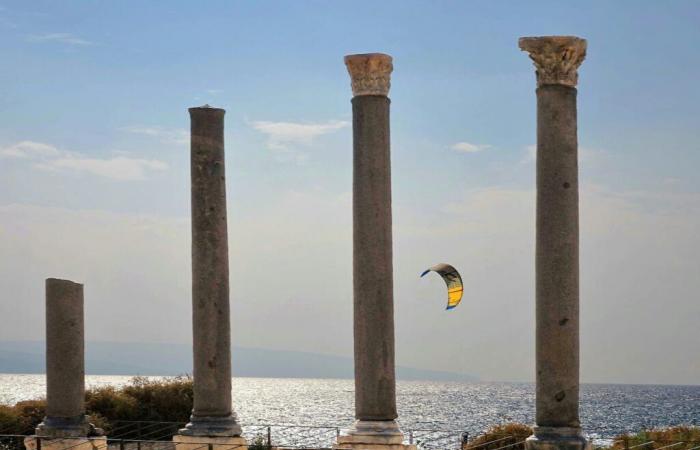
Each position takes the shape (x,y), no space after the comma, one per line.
(452,279)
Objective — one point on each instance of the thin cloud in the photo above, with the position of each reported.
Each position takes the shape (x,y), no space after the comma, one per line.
(281,135)
(63,38)
(166,135)
(28,149)
(530,154)
(119,168)
(48,157)
(468,147)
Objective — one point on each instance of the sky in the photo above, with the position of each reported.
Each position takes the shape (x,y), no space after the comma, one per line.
(94,173)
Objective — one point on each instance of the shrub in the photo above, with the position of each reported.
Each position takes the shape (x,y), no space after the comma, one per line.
(161,400)
(661,437)
(23,417)
(168,400)
(508,436)
(258,443)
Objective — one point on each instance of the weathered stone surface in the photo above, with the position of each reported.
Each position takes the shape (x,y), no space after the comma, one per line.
(557,244)
(373,308)
(378,432)
(347,443)
(556,58)
(370,73)
(557,261)
(74,443)
(65,362)
(557,438)
(373,435)
(202,442)
(212,414)
(375,383)
(65,349)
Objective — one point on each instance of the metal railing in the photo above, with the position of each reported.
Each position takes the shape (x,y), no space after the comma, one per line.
(143,435)
(140,435)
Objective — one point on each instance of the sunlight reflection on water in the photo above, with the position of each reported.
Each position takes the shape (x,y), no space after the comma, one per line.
(605,409)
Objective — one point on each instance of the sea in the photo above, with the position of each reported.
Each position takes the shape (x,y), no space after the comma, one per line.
(606,409)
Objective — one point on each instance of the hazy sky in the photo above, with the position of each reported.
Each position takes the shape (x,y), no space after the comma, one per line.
(94,173)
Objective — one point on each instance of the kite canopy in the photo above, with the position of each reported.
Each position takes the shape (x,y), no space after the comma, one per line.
(453,281)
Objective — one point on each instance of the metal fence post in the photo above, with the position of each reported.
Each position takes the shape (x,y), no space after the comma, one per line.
(269,437)
(121,444)
(38,443)
(410,437)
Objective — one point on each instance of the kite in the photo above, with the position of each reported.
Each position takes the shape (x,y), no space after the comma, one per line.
(453,281)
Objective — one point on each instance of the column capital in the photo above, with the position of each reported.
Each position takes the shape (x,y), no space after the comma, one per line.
(556,58)
(206,109)
(370,73)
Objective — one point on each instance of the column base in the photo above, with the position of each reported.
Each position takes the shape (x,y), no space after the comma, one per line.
(72,443)
(67,427)
(372,435)
(557,438)
(211,426)
(183,442)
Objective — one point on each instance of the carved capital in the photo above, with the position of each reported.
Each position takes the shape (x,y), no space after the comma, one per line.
(370,73)
(556,58)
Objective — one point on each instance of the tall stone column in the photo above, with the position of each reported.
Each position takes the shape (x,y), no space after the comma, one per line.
(557,59)
(375,381)
(65,424)
(212,415)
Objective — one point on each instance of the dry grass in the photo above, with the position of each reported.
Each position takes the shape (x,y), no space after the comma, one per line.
(141,400)
(673,438)
(508,436)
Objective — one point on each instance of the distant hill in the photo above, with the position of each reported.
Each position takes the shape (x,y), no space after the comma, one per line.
(116,358)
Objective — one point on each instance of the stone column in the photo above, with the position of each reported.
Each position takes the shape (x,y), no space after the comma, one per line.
(557,59)
(65,424)
(375,381)
(212,415)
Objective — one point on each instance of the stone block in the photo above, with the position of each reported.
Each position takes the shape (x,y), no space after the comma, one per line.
(209,442)
(557,438)
(73,443)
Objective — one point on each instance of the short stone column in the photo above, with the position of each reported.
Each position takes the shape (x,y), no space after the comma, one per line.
(375,381)
(557,59)
(65,424)
(212,415)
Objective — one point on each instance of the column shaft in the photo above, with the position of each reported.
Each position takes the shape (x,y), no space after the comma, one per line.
(557,59)
(557,262)
(375,383)
(212,412)
(65,350)
(65,363)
